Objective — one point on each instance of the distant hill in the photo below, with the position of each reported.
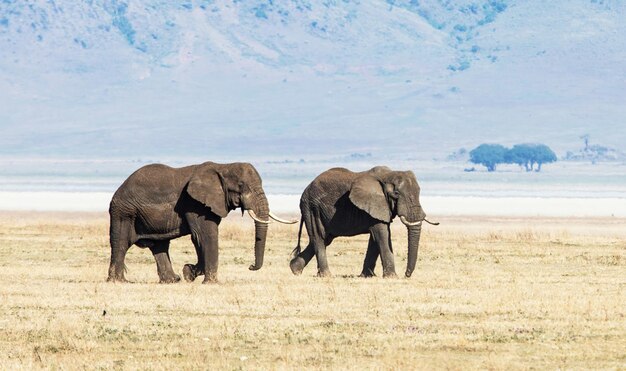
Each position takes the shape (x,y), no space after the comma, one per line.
(233,78)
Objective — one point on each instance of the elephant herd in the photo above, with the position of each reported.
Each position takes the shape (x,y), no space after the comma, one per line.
(158,203)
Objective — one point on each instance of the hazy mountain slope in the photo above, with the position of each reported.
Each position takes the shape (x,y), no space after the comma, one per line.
(295,78)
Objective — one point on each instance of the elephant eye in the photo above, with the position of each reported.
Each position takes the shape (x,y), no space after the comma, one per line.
(395,194)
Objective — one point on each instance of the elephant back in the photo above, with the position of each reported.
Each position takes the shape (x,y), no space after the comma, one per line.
(154,183)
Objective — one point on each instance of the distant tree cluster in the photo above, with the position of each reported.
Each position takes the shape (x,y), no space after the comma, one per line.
(525,155)
(594,153)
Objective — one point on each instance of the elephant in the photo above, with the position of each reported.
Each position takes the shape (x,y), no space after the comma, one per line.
(342,203)
(158,203)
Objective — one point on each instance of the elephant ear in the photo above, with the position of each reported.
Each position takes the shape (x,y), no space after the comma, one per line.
(207,186)
(367,194)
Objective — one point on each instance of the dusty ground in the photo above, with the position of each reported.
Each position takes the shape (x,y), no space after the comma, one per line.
(491,293)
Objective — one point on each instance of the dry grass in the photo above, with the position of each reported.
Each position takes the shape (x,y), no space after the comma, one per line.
(487,293)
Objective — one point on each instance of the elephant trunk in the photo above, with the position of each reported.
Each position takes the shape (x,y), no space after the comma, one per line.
(261,209)
(414,233)
(260,234)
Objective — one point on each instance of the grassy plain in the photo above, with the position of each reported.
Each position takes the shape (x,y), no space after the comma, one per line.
(488,293)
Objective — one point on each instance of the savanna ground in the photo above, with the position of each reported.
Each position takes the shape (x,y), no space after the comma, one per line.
(492,293)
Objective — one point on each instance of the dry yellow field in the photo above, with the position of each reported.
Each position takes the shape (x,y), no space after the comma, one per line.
(487,294)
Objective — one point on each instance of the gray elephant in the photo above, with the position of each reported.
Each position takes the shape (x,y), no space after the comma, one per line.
(158,203)
(340,202)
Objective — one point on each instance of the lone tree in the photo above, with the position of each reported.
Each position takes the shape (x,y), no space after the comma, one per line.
(488,155)
(528,155)
(585,137)
(542,154)
(520,154)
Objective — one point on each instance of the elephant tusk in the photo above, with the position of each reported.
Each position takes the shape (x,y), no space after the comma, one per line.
(256,219)
(408,223)
(431,223)
(282,220)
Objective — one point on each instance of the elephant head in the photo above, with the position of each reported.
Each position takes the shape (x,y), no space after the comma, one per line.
(238,185)
(385,194)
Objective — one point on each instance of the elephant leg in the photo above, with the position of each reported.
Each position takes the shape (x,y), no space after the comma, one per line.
(204,230)
(382,237)
(316,246)
(161,252)
(373,251)
(120,243)
(298,263)
(191,271)
(316,231)
(322,260)
(210,251)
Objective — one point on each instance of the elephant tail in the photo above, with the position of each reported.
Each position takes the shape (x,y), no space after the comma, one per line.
(297,250)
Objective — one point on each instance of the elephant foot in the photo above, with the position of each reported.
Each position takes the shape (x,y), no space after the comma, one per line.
(117,279)
(189,272)
(210,278)
(390,275)
(367,274)
(296,265)
(324,273)
(170,279)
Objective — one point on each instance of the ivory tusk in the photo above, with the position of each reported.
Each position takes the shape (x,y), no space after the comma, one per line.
(431,223)
(408,223)
(256,219)
(282,220)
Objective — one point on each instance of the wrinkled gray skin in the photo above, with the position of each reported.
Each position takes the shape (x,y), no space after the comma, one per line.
(158,203)
(340,202)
